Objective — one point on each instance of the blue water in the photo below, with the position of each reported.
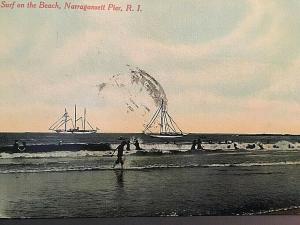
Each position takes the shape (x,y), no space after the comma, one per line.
(83,184)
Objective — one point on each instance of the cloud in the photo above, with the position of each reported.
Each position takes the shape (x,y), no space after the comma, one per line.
(285,85)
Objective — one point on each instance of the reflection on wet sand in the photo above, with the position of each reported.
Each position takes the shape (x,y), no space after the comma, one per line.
(120,178)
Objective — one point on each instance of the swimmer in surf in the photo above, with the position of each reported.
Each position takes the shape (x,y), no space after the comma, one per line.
(120,159)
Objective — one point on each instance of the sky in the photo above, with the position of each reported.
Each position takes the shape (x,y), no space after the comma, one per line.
(225,66)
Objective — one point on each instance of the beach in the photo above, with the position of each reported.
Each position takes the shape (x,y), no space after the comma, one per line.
(166,179)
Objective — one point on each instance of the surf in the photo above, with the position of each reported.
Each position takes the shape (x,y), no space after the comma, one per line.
(64,167)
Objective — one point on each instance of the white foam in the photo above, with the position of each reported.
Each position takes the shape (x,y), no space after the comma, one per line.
(163,146)
(56,154)
(253,164)
(281,145)
(66,169)
(273,211)
(166,148)
(155,166)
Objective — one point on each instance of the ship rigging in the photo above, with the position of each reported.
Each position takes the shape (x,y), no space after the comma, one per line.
(66,124)
(167,126)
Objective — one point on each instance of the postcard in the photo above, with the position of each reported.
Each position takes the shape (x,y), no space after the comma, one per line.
(138,108)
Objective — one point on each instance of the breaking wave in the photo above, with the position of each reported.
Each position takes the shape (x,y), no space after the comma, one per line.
(139,168)
(271,211)
(57,154)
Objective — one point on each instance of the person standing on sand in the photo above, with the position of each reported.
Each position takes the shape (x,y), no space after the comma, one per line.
(120,159)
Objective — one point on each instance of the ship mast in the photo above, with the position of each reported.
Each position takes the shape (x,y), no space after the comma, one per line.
(75,118)
(161,117)
(66,117)
(61,125)
(167,125)
(84,118)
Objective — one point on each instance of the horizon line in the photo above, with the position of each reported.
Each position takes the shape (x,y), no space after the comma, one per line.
(190,133)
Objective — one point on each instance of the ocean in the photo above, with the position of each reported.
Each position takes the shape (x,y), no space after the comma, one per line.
(165,179)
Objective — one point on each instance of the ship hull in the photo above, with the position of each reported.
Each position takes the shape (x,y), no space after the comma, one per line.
(77,132)
(167,135)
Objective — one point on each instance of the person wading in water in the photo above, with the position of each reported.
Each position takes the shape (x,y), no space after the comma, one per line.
(137,145)
(120,159)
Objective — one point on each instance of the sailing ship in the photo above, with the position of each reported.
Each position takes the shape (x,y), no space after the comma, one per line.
(167,126)
(77,126)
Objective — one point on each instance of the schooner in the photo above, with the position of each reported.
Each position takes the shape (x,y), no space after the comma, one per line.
(167,126)
(78,126)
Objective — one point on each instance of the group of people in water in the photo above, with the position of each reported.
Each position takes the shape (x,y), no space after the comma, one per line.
(126,144)
(197,145)
(121,149)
